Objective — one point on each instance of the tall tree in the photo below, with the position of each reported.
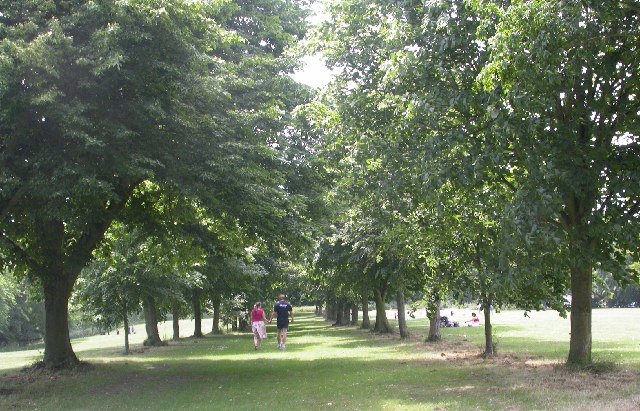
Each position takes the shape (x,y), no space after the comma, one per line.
(96,98)
(416,125)
(567,76)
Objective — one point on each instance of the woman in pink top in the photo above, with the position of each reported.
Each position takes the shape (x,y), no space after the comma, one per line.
(474,322)
(258,320)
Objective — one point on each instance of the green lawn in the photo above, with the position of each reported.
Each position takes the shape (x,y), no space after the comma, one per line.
(345,368)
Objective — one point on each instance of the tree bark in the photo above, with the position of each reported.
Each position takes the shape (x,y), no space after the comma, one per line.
(580,247)
(197,314)
(175,319)
(402,319)
(58,352)
(434,322)
(382,324)
(489,348)
(151,321)
(125,319)
(339,313)
(366,323)
(215,302)
(346,313)
(580,343)
(354,314)
(330,312)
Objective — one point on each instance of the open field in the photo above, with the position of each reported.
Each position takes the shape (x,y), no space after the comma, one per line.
(327,367)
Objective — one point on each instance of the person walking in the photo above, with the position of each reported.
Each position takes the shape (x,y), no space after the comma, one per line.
(258,321)
(283,310)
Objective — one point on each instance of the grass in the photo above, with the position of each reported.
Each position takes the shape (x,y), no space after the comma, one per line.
(326,367)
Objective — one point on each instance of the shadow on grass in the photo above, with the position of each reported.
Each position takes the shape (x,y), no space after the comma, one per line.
(322,367)
(286,381)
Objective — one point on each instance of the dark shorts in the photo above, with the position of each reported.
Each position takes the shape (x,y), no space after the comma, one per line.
(282,324)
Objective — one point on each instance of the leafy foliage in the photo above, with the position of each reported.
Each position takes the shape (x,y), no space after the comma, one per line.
(500,137)
(97,98)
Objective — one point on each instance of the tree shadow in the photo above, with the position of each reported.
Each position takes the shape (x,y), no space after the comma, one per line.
(254,382)
(325,365)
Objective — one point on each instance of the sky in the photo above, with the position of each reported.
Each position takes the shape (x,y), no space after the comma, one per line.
(314,73)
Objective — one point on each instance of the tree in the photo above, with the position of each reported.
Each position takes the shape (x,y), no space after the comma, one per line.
(97,98)
(566,75)
(21,310)
(415,125)
(7,302)
(132,271)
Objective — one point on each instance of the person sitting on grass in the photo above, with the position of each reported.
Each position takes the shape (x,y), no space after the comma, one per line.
(451,322)
(474,321)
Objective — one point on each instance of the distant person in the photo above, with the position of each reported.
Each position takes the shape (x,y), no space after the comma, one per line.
(451,322)
(474,321)
(283,311)
(258,321)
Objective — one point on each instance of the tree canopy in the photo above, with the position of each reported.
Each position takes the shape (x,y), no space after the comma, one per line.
(472,149)
(97,97)
(510,127)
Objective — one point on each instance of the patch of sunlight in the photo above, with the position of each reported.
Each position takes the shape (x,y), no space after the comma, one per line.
(535,363)
(18,359)
(410,404)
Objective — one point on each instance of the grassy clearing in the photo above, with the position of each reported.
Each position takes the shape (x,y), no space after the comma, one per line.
(326,367)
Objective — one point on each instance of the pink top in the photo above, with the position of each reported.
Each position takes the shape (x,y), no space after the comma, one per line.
(257,315)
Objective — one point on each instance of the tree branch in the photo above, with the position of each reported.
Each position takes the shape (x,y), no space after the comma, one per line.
(20,252)
(80,254)
(6,208)
(508,183)
(633,209)
(631,5)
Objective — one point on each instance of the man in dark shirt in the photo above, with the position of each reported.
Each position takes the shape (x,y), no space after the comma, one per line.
(283,311)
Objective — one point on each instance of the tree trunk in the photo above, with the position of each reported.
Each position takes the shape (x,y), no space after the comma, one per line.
(215,302)
(175,314)
(151,321)
(330,312)
(581,245)
(346,313)
(244,324)
(402,319)
(58,352)
(125,319)
(580,343)
(60,269)
(489,348)
(354,314)
(382,324)
(434,322)
(197,314)
(366,323)
(339,313)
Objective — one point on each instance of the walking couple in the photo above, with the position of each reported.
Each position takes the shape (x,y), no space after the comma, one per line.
(283,311)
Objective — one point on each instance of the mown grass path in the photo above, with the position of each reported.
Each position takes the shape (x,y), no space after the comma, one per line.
(328,367)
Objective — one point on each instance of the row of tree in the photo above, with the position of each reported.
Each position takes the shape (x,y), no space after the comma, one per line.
(147,139)
(156,155)
(482,147)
